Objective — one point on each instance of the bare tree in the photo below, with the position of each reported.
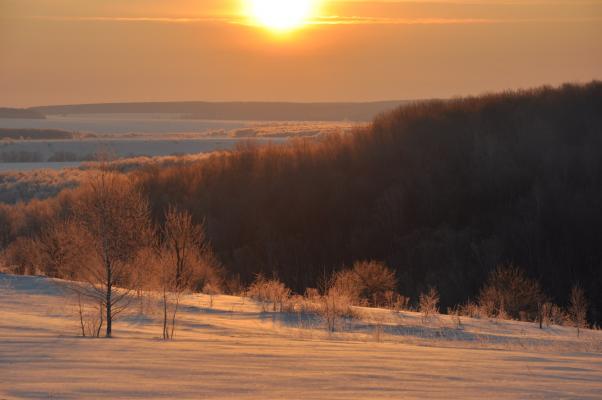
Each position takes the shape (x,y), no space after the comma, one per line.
(183,242)
(578,308)
(186,262)
(116,220)
(170,293)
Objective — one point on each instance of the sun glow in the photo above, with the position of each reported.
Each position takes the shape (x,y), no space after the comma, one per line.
(281,15)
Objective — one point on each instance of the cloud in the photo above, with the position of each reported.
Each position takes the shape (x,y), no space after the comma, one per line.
(341,20)
(172,20)
(324,20)
(337,20)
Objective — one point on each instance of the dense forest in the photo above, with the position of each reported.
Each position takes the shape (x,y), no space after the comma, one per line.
(440,191)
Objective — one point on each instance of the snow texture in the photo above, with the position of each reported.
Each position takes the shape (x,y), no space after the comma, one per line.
(234,350)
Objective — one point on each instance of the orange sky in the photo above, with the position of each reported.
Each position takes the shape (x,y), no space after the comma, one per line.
(74,51)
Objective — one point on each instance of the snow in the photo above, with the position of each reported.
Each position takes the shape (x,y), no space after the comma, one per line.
(234,350)
(32,166)
(88,148)
(121,123)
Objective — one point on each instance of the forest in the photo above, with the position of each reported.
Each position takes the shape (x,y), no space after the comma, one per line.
(441,192)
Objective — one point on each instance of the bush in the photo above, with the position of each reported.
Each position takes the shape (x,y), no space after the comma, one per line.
(346,283)
(551,314)
(395,301)
(367,283)
(509,293)
(578,308)
(558,316)
(334,307)
(22,257)
(91,316)
(429,304)
(472,310)
(269,291)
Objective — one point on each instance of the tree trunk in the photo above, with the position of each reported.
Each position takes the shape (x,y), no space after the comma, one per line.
(175,311)
(109,293)
(165,331)
(81,314)
(100,318)
(109,319)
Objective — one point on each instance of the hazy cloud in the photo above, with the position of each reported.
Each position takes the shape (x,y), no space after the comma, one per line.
(323,20)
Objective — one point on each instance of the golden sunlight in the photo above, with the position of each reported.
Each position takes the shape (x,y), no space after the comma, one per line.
(281,15)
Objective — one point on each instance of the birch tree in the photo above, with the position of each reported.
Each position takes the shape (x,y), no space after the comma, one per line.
(116,219)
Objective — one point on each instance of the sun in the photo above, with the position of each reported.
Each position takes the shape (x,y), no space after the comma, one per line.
(280,15)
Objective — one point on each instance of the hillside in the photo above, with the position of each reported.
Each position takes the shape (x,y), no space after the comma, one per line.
(441,191)
(233,349)
(238,111)
(20,113)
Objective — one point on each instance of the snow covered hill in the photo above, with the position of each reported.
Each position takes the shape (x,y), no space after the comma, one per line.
(233,349)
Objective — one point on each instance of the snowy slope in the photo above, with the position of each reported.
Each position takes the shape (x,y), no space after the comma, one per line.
(234,350)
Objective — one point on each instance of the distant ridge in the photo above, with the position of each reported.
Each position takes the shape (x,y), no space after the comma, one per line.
(19,113)
(257,111)
(34,134)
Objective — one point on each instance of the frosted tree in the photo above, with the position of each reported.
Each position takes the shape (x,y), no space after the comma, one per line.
(186,262)
(116,220)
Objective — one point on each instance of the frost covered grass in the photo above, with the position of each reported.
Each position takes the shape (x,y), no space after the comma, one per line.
(228,347)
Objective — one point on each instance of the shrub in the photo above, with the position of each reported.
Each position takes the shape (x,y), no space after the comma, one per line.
(456,314)
(429,304)
(334,307)
(22,257)
(578,308)
(471,309)
(269,291)
(346,282)
(558,316)
(510,293)
(395,301)
(211,290)
(91,317)
(367,283)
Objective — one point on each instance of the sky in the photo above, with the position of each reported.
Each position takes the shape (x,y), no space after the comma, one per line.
(87,51)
